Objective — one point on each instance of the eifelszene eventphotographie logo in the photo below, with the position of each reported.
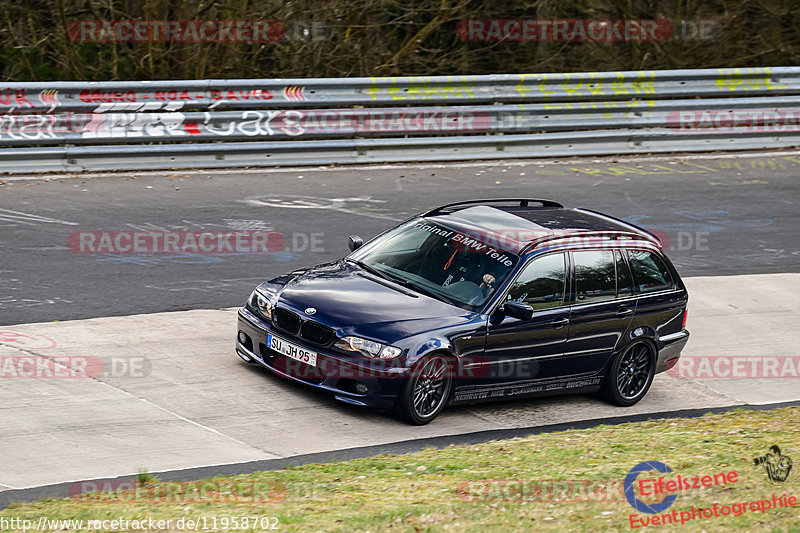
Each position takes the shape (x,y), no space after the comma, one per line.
(630,488)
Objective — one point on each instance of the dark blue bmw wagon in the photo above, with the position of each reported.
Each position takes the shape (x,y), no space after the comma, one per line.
(475,301)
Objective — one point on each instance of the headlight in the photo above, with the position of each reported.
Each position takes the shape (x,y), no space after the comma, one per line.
(369,348)
(260,303)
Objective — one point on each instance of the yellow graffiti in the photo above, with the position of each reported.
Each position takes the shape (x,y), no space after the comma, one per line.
(644,85)
(626,104)
(576,85)
(542,86)
(688,167)
(373,91)
(598,89)
(523,91)
(740,182)
(619,86)
(575,89)
(423,88)
(743,79)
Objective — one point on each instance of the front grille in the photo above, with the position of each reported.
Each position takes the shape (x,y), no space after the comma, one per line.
(316,332)
(286,320)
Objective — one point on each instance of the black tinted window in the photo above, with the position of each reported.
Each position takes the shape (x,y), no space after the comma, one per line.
(595,276)
(649,271)
(541,284)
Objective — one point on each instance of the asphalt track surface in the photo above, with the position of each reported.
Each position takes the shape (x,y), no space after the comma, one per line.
(722,214)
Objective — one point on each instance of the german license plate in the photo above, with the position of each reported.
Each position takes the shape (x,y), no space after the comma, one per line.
(291,350)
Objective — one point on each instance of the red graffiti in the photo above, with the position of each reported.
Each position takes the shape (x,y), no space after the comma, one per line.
(18,96)
(252,94)
(174,95)
(107,97)
(294,93)
(192,128)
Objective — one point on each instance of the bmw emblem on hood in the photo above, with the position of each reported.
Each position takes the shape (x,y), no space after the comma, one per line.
(310,310)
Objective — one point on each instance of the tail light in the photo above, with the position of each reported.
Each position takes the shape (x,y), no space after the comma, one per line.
(685,313)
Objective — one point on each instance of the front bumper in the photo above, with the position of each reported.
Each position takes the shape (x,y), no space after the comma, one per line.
(335,373)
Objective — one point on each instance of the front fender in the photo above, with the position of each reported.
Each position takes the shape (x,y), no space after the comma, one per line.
(465,340)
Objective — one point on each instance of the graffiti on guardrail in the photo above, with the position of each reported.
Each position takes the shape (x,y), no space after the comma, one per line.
(423,88)
(254,123)
(16,128)
(14,97)
(538,114)
(748,79)
(21,100)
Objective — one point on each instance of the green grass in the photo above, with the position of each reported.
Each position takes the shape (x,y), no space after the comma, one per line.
(430,491)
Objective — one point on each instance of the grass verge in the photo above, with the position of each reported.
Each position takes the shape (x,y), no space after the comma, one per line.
(565,481)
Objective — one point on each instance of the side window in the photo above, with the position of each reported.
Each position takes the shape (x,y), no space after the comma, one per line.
(595,276)
(649,271)
(541,283)
(624,280)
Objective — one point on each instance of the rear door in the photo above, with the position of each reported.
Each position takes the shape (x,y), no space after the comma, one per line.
(602,311)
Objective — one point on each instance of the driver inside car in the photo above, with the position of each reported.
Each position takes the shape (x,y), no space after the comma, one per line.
(464,263)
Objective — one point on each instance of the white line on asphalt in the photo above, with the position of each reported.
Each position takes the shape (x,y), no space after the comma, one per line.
(7,215)
(184,419)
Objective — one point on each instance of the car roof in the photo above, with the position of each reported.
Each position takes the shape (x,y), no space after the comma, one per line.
(524,226)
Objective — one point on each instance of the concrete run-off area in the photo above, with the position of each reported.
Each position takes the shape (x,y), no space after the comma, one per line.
(167,391)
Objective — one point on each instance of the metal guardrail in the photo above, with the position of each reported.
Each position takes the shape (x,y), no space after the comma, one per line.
(179,124)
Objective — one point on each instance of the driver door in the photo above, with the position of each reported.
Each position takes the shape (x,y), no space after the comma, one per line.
(523,350)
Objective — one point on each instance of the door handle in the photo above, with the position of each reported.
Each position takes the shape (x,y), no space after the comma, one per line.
(625,311)
(559,322)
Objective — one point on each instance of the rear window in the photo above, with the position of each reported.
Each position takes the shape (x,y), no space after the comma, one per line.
(649,271)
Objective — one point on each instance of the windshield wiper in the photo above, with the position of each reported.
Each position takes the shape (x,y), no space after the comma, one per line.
(427,292)
(372,270)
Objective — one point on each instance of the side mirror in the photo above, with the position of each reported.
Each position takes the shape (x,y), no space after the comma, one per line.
(517,310)
(354,242)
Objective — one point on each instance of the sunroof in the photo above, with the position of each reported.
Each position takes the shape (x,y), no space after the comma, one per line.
(568,219)
(496,219)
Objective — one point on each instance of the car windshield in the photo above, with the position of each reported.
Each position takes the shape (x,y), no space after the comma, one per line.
(454,267)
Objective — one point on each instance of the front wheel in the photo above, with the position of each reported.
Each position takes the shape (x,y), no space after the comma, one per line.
(630,376)
(425,393)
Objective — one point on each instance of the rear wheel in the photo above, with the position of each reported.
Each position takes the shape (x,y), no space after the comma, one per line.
(631,375)
(425,393)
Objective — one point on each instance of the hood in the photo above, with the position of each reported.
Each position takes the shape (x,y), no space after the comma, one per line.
(355,302)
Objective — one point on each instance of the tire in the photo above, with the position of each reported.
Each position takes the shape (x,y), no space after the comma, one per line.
(430,384)
(630,375)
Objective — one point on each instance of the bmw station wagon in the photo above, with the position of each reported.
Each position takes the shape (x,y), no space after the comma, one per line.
(475,301)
